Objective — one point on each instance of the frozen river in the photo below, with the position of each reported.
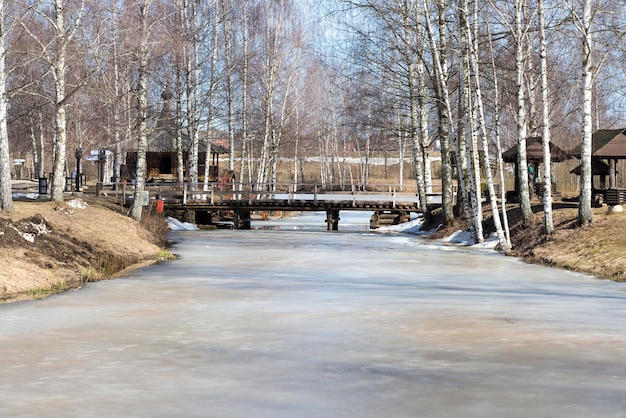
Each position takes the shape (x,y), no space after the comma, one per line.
(300,322)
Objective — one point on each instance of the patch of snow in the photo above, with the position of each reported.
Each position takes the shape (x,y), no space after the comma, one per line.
(490,243)
(40,229)
(460,237)
(31,196)
(176,225)
(412,227)
(77,204)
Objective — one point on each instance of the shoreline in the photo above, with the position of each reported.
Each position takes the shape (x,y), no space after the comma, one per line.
(74,245)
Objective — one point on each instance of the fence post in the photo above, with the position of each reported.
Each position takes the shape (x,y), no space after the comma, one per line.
(353,196)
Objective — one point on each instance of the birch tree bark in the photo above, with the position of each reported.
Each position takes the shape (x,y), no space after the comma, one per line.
(523,179)
(439,52)
(192,87)
(230,96)
(585,214)
(503,240)
(211,94)
(6,198)
(545,122)
(143,57)
(467,115)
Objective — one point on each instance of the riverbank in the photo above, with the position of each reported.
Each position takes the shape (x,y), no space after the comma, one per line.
(598,249)
(48,247)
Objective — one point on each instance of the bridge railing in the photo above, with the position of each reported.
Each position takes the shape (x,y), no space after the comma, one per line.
(234,191)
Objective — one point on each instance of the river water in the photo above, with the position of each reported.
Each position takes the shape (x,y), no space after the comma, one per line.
(295,321)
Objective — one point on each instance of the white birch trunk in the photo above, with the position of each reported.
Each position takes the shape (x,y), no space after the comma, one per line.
(33,144)
(229,84)
(545,125)
(211,97)
(191,88)
(462,164)
(244,99)
(142,110)
(503,240)
(117,159)
(6,198)
(439,52)
(523,179)
(585,214)
(423,125)
(59,70)
(467,114)
(498,144)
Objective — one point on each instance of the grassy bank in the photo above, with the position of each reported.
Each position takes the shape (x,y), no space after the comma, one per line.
(47,247)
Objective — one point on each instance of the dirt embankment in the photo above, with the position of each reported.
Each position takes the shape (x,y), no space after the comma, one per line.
(598,249)
(46,247)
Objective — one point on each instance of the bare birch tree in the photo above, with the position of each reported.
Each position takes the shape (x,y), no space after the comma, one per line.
(6,198)
(520,62)
(585,214)
(503,240)
(439,47)
(545,122)
(143,60)
(64,36)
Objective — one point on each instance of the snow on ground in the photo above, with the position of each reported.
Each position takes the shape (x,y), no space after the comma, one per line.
(459,237)
(77,204)
(176,225)
(31,196)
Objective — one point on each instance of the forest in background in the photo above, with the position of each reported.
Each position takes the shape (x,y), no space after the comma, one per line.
(288,80)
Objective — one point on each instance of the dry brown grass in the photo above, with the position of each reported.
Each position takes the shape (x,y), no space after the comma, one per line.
(598,249)
(79,245)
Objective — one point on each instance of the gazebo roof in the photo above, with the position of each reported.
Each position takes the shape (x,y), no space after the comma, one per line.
(534,152)
(607,143)
(598,168)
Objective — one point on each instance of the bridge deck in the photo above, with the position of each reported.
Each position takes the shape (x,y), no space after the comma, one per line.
(296,205)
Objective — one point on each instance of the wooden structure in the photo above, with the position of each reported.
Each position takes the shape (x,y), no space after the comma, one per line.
(162,155)
(607,147)
(534,158)
(241,200)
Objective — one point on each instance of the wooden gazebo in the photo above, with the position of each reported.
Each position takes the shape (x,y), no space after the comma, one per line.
(607,147)
(534,157)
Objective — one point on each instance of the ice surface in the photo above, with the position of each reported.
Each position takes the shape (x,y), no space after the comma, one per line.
(309,323)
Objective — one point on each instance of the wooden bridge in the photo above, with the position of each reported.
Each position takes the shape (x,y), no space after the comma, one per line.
(239,201)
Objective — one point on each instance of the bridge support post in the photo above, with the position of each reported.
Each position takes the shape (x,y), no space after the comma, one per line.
(332,219)
(242,219)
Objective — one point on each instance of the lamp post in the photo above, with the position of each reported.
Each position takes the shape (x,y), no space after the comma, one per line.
(102,156)
(78,154)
